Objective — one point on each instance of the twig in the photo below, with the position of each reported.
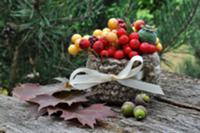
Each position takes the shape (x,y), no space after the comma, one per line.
(14,68)
(128,8)
(36,5)
(176,103)
(61,68)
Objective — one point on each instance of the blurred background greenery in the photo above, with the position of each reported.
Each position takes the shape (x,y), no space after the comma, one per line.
(34,34)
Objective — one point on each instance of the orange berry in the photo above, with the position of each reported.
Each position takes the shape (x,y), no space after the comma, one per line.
(106,30)
(159,47)
(86,36)
(73,50)
(75,37)
(113,23)
(138,24)
(115,43)
(133,28)
(77,42)
(114,31)
(97,33)
(157,40)
(111,37)
(105,33)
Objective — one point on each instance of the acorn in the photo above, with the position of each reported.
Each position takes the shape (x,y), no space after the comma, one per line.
(127,109)
(142,99)
(140,112)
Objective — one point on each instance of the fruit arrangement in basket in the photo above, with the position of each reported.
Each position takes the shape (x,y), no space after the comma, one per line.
(110,50)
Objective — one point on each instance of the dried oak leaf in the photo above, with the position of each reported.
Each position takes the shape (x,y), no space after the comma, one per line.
(49,100)
(86,116)
(28,91)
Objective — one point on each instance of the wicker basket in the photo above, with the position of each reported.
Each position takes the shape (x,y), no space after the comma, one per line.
(113,92)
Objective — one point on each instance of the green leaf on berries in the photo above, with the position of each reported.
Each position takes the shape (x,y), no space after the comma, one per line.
(129,27)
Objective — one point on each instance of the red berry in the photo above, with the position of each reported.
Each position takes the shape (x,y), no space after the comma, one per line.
(127,50)
(152,48)
(125,45)
(138,24)
(111,51)
(93,39)
(104,41)
(84,44)
(120,20)
(132,54)
(98,46)
(104,53)
(119,54)
(134,44)
(121,23)
(144,48)
(123,39)
(121,31)
(134,35)
(147,48)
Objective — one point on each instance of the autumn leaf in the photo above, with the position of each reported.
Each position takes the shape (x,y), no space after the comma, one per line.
(28,91)
(86,116)
(56,98)
(48,100)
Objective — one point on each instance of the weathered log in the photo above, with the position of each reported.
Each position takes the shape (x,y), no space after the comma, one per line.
(176,112)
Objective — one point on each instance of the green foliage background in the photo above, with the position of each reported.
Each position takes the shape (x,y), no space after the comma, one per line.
(35,33)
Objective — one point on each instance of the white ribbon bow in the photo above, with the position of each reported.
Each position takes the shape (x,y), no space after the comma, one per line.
(84,78)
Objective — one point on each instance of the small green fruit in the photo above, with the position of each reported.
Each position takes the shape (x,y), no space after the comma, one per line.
(146,97)
(148,34)
(129,103)
(140,112)
(4,91)
(127,109)
(142,99)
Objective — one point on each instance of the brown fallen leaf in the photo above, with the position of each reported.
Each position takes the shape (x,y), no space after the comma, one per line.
(48,100)
(28,91)
(86,116)
(67,102)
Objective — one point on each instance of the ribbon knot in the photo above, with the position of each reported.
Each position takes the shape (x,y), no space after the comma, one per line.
(113,77)
(84,78)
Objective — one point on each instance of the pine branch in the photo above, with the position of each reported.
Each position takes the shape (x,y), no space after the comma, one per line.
(186,24)
(77,19)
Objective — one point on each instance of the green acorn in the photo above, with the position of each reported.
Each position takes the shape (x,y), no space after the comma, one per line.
(140,112)
(127,109)
(142,99)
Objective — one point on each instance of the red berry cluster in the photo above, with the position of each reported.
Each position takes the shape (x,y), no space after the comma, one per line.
(116,42)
